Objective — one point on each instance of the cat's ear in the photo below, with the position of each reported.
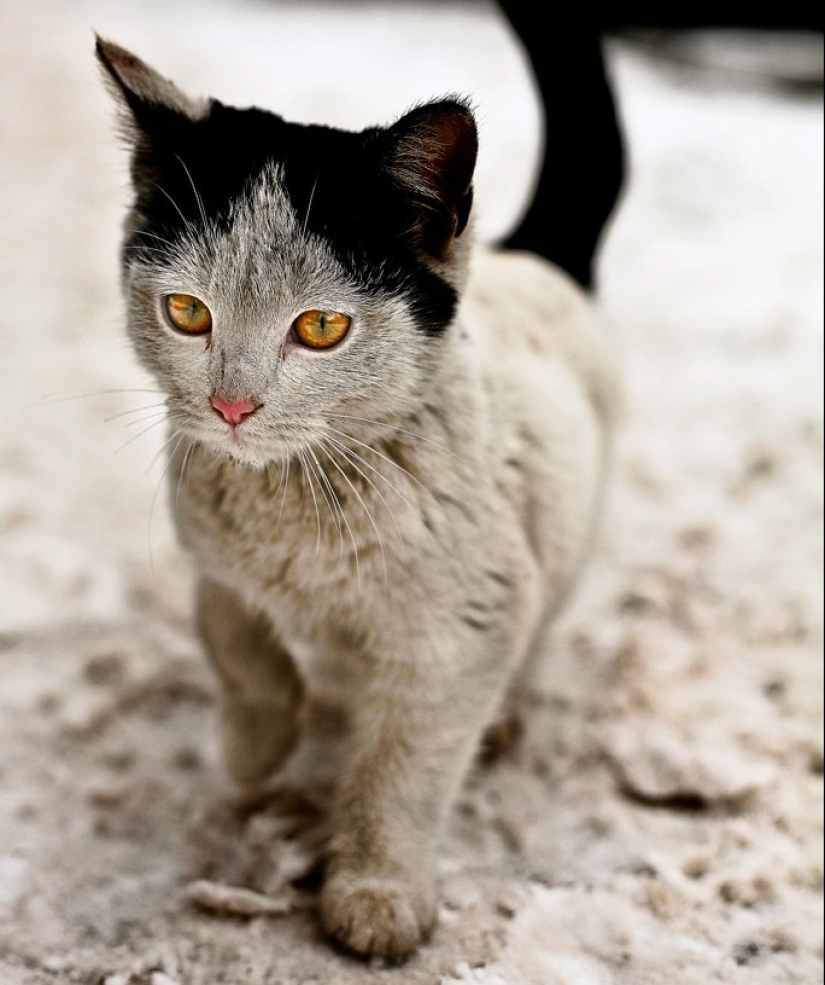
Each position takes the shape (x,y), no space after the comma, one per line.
(151,107)
(138,87)
(431,155)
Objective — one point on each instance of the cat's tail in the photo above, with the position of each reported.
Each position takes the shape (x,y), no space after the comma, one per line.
(582,173)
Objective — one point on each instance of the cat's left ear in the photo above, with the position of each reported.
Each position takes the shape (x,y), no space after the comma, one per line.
(431,155)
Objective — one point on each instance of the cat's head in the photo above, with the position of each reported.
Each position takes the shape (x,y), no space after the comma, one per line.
(282,274)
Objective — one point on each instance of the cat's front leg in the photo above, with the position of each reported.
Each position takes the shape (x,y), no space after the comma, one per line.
(417,727)
(261,690)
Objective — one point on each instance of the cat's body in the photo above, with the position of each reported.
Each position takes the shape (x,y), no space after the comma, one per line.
(399,513)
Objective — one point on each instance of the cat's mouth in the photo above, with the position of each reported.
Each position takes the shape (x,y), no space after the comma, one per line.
(243,445)
(252,443)
(250,437)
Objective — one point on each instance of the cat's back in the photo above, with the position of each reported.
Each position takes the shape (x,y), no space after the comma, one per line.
(550,381)
(533,322)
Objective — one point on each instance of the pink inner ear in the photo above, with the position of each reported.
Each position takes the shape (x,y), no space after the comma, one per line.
(436,152)
(457,157)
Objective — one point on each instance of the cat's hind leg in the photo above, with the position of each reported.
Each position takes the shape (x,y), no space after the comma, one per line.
(505,733)
(261,690)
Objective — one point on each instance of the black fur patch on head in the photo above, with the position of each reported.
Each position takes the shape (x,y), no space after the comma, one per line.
(342,184)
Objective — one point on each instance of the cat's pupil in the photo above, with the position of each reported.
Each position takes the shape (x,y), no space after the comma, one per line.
(321,329)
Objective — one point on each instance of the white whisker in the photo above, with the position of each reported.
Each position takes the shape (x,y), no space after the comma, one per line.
(366,510)
(309,205)
(354,456)
(186,459)
(180,436)
(270,468)
(157,416)
(155,236)
(334,498)
(396,430)
(60,398)
(198,198)
(305,471)
(323,485)
(161,450)
(186,222)
(147,414)
(285,475)
(385,458)
(136,437)
(159,408)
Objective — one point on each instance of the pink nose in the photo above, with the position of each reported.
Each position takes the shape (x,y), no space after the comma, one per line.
(233,413)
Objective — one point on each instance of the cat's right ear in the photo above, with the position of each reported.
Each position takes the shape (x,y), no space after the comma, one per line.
(152,109)
(431,155)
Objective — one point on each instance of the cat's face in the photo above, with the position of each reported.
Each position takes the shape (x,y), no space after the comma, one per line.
(280,277)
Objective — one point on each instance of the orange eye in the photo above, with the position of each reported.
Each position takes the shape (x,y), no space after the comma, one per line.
(187,314)
(321,329)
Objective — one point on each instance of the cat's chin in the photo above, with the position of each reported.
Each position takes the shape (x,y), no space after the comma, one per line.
(249,459)
(256,451)
(243,453)
(249,456)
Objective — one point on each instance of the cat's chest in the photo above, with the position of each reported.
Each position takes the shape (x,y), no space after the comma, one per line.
(294,536)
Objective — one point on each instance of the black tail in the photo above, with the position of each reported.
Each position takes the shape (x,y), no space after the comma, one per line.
(584,162)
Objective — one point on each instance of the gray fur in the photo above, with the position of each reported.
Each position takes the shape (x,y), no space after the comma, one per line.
(402,517)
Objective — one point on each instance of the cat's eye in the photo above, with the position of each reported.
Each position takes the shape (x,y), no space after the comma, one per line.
(321,329)
(187,314)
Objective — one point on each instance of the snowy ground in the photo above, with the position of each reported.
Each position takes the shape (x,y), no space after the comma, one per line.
(662,820)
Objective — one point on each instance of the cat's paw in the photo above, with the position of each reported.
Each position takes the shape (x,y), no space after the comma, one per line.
(375,915)
(257,739)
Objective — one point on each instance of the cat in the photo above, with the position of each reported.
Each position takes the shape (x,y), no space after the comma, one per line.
(388,451)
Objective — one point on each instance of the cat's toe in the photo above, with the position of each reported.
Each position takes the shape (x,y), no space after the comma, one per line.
(378,916)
